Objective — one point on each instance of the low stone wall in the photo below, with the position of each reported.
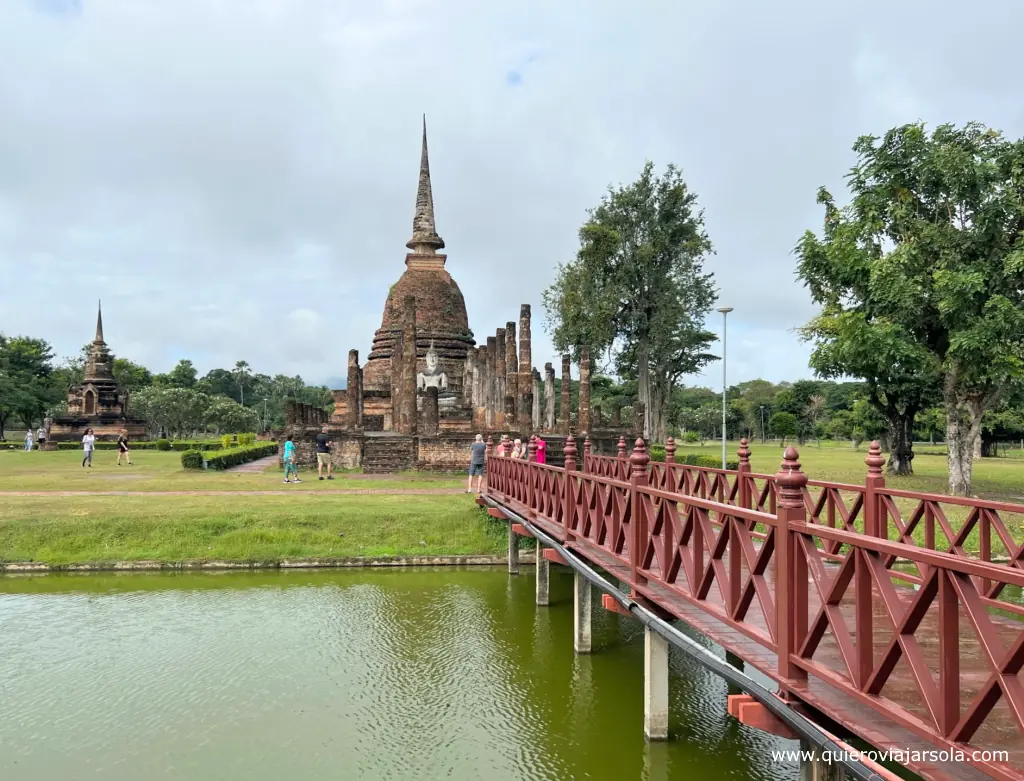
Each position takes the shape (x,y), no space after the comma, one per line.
(106,430)
(346,452)
(446,453)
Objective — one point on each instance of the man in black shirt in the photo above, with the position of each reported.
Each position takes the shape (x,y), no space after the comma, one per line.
(323,455)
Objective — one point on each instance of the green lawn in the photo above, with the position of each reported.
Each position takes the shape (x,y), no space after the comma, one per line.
(153,470)
(62,530)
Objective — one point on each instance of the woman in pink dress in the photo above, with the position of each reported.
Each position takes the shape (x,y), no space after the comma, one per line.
(542,451)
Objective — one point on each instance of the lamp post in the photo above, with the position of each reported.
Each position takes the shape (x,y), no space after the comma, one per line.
(762,424)
(725,310)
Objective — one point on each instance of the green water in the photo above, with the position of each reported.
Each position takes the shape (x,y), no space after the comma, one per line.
(359,674)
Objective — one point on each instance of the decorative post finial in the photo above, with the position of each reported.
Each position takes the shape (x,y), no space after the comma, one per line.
(639,459)
(490,445)
(425,240)
(670,450)
(622,446)
(875,460)
(744,452)
(99,321)
(790,480)
(570,453)
(531,449)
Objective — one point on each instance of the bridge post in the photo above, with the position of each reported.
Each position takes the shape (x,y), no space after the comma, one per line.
(638,462)
(513,550)
(791,608)
(543,569)
(569,497)
(864,621)
(655,685)
(581,614)
(815,768)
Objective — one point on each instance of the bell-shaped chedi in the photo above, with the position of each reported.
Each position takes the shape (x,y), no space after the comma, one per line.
(440,308)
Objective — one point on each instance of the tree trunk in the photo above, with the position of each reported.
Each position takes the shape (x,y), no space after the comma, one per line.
(644,385)
(901,454)
(658,411)
(963,430)
(977,446)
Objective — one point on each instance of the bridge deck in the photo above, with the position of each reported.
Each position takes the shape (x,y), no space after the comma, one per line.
(999,730)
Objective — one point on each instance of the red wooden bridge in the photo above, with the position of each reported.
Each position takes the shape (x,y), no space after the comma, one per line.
(861,602)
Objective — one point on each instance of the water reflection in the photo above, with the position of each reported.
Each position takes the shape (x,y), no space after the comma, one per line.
(413,674)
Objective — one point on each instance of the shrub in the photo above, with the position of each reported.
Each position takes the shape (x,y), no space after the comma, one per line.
(192,459)
(246,440)
(146,445)
(691,437)
(657,452)
(163,444)
(225,459)
(225,441)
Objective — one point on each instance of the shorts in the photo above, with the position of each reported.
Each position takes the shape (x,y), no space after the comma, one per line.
(323,459)
(476,469)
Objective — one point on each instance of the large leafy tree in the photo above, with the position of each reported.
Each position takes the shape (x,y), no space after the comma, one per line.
(929,254)
(637,288)
(25,387)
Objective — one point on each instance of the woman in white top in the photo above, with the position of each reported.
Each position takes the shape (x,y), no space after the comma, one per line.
(88,443)
(28,440)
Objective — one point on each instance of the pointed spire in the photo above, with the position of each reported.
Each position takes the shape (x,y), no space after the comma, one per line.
(425,240)
(99,322)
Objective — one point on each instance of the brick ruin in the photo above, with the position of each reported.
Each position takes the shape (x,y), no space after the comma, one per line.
(97,402)
(428,387)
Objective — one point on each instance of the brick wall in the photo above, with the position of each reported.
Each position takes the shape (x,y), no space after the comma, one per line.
(446,453)
(345,454)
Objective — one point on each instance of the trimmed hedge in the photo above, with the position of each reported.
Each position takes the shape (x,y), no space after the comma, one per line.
(225,459)
(692,459)
(145,445)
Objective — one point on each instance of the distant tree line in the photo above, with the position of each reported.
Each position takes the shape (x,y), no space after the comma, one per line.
(178,403)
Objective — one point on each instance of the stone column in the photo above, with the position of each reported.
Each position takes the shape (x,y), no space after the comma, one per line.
(359,399)
(492,346)
(596,415)
(655,685)
(549,397)
(467,379)
(543,570)
(429,423)
(289,413)
(563,413)
(524,411)
(815,768)
(582,633)
(535,416)
(513,550)
(352,390)
(511,375)
(500,370)
(616,416)
(584,417)
(479,376)
(407,408)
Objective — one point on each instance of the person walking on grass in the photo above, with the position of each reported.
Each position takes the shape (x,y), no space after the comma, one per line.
(123,449)
(291,469)
(323,455)
(28,440)
(88,445)
(477,459)
(40,437)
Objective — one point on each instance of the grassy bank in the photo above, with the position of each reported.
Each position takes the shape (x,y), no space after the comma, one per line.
(64,530)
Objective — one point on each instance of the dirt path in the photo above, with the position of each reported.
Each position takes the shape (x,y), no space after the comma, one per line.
(298,491)
(256,466)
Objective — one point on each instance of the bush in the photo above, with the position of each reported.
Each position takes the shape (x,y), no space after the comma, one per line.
(247,440)
(657,453)
(192,459)
(225,441)
(225,459)
(163,444)
(146,445)
(691,437)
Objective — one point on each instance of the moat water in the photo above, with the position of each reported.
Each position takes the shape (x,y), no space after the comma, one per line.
(357,674)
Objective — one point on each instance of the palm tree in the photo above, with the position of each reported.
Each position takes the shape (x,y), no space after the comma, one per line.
(242,373)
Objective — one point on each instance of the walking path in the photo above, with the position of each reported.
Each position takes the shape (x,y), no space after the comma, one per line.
(256,466)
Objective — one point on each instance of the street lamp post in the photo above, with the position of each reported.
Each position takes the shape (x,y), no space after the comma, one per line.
(725,310)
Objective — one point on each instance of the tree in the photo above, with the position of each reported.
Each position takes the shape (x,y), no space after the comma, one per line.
(637,289)
(25,387)
(174,412)
(814,411)
(131,376)
(784,424)
(242,374)
(183,375)
(227,416)
(928,260)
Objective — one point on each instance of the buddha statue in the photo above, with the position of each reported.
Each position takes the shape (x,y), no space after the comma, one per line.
(432,376)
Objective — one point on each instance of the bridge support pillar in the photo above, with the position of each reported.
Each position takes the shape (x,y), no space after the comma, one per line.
(581,615)
(513,550)
(817,769)
(543,569)
(655,686)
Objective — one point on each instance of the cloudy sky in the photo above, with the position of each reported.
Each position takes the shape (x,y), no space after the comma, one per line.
(236,178)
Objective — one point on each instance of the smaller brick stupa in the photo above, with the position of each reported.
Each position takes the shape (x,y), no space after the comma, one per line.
(97,403)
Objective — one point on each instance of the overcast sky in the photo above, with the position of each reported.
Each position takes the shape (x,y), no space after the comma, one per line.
(236,178)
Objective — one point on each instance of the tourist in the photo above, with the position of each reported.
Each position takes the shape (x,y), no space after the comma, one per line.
(500,447)
(477,458)
(28,440)
(41,437)
(123,449)
(290,467)
(323,455)
(88,445)
(517,449)
(542,451)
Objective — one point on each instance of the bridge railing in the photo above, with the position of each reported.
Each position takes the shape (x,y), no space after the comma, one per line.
(816,579)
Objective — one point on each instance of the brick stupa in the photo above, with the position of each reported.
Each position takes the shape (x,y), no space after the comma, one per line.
(440,308)
(97,403)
